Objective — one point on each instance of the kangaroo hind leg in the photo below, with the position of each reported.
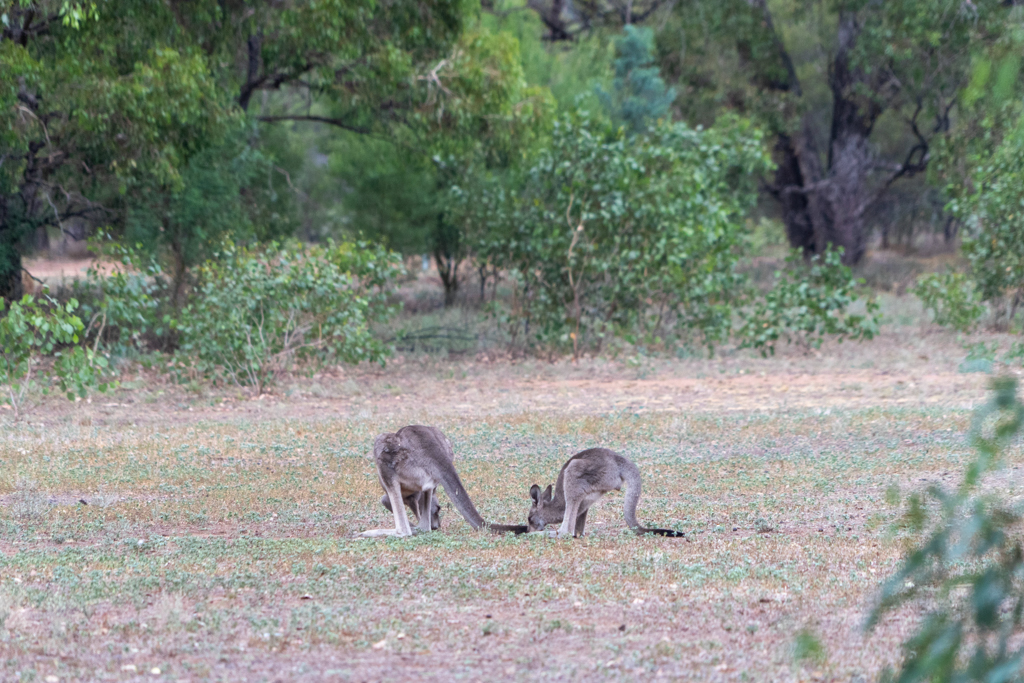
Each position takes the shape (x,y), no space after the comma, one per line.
(424,509)
(581,523)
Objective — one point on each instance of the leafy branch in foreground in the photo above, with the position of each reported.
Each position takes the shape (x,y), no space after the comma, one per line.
(968,569)
(34,327)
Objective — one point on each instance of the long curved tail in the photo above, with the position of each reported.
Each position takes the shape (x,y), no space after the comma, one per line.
(457,493)
(506,528)
(632,476)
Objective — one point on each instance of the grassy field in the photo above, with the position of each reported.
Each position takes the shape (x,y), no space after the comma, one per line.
(162,533)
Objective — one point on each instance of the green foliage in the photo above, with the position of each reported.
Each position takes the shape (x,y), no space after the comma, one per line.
(33,328)
(808,303)
(257,313)
(639,95)
(605,235)
(807,647)
(995,217)
(967,569)
(133,114)
(122,296)
(952,299)
(221,194)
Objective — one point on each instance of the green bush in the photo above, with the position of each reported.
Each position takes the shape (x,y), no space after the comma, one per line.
(258,312)
(808,303)
(967,570)
(633,237)
(122,305)
(994,214)
(36,327)
(952,299)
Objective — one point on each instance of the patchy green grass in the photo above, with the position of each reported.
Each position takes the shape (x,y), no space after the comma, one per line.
(204,535)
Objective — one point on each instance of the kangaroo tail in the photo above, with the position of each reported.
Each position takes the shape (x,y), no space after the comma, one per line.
(659,532)
(632,476)
(507,528)
(457,493)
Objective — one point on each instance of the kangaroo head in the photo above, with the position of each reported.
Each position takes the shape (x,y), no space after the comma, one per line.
(542,512)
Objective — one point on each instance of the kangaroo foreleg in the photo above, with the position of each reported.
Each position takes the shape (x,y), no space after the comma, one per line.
(397,505)
(568,527)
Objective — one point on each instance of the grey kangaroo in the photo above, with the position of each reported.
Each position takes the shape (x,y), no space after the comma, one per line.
(587,476)
(411,463)
(421,502)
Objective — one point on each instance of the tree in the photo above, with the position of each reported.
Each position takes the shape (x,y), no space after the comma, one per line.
(478,115)
(889,73)
(221,190)
(567,21)
(85,112)
(607,235)
(993,210)
(639,95)
(101,101)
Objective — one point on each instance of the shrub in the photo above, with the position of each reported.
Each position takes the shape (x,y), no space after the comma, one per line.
(635,237)
(808,303)
(967,570)
(123,305)
(994,214)
(33,328)
(952,298)
(258,312)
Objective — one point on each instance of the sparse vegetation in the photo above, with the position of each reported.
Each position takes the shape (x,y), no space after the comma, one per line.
(195,531)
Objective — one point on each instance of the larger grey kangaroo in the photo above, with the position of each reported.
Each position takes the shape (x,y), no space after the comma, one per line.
(587,476)
(411,464)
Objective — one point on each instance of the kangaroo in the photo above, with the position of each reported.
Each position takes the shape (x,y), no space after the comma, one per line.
(587,476)
(424,503)
(411,463)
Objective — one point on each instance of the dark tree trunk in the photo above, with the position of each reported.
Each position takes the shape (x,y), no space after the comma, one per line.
(827,206)
(482,271)
(41,241)
(10,266)
(448,269)
(795,213)
(447,255)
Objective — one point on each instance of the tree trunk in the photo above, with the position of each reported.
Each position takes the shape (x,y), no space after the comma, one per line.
(835,199)
(447,255)
(10,268)
(795,213)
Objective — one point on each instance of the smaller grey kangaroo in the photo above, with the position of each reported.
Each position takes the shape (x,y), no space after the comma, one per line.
(587,476)
(411,463)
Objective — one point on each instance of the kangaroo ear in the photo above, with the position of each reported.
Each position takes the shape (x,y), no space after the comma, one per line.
(547,494)
(535,494)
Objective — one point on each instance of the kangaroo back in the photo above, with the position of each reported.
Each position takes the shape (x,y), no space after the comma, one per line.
(435,448)
(631,475)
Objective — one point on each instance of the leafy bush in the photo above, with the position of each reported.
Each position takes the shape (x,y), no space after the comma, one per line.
(122,305)
(33,328)
(968,568)
(255,313)
(952,299)
(808,303)
(994,215)
(633,237)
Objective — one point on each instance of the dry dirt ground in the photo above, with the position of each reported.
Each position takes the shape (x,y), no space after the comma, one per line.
(162,533)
